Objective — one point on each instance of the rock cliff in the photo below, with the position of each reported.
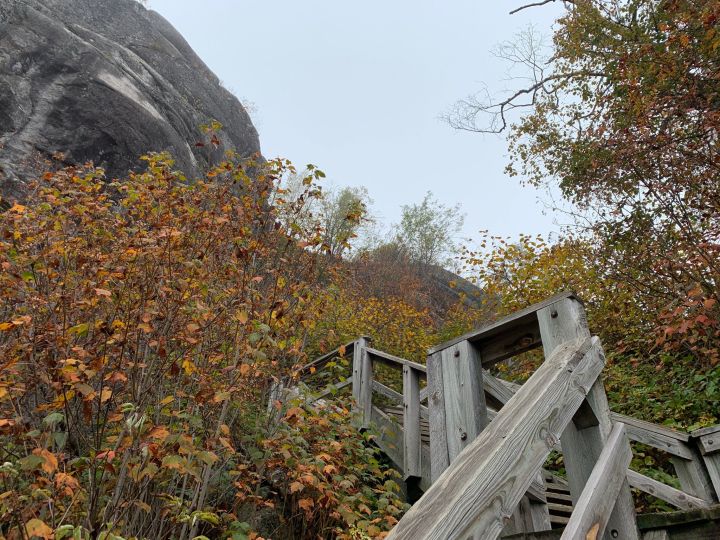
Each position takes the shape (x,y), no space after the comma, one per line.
(104,81)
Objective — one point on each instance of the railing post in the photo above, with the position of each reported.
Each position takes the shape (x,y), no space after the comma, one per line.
(456,402)
(584,438)
(708,441)
(411,423)
(362,381)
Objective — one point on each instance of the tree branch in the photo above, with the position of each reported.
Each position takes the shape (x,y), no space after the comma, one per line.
(536,4)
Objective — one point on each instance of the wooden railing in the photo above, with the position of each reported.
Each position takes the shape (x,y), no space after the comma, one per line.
(477,448)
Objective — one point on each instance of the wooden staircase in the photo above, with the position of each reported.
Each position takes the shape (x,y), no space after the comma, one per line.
(471,447)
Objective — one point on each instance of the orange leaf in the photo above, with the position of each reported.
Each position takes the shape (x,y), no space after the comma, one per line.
(244,369)
(296,486)
(306,504)
(50,464)
(159,432)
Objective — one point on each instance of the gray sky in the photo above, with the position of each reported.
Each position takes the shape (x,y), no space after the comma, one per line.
(356,88)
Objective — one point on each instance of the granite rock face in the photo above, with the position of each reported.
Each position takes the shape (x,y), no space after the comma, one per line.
(105,81)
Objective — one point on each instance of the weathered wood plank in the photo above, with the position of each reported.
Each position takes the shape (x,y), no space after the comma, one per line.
(583,440)
(439,458)
(389,437)
(659,534)
(319,363)
(331,389)
(465,407)
(411,422)
(521,338)
(708,441)
(478,493)
(592,512)
(496,393)
(669,494)
(694,477)
(386,391)
(365,395)
(395,361)
(357,366)
(669,440)
(506,324)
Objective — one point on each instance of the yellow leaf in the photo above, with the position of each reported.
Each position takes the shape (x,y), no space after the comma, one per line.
(37,528)
(242,317)
(167,400)
(20,209)
(105,395)
(189,367)
(6,326)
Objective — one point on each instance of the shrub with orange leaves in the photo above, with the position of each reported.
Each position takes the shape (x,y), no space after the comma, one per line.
(142,322)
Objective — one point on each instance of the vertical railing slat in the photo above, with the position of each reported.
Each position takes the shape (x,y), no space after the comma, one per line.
(411,422)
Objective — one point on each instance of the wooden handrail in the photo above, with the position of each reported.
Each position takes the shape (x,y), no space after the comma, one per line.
(320,362)
(591,513)
(395,361)
(669,494)
(484,484)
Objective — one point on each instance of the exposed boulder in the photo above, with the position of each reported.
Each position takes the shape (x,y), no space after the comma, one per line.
(105,81)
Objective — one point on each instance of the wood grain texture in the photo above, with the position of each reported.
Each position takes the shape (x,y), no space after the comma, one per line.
(478,494)
(391,359)
(694,477)
(506,324)
(411,423)
(669,440)
(656,535)
(331,389)
(583,442)
(592,511)
(465,407)
(708,442)
(357,366)
(669,494)
(439,459)
(365,394)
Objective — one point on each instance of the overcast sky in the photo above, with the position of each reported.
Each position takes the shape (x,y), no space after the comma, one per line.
(356,88)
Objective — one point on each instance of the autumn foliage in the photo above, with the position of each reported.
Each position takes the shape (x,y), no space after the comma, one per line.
(142,325)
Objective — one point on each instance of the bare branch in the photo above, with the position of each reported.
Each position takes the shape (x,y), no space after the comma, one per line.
(466,110)
(536,4)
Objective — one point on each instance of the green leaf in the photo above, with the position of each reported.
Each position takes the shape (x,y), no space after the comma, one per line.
(53,419)
(32,462)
